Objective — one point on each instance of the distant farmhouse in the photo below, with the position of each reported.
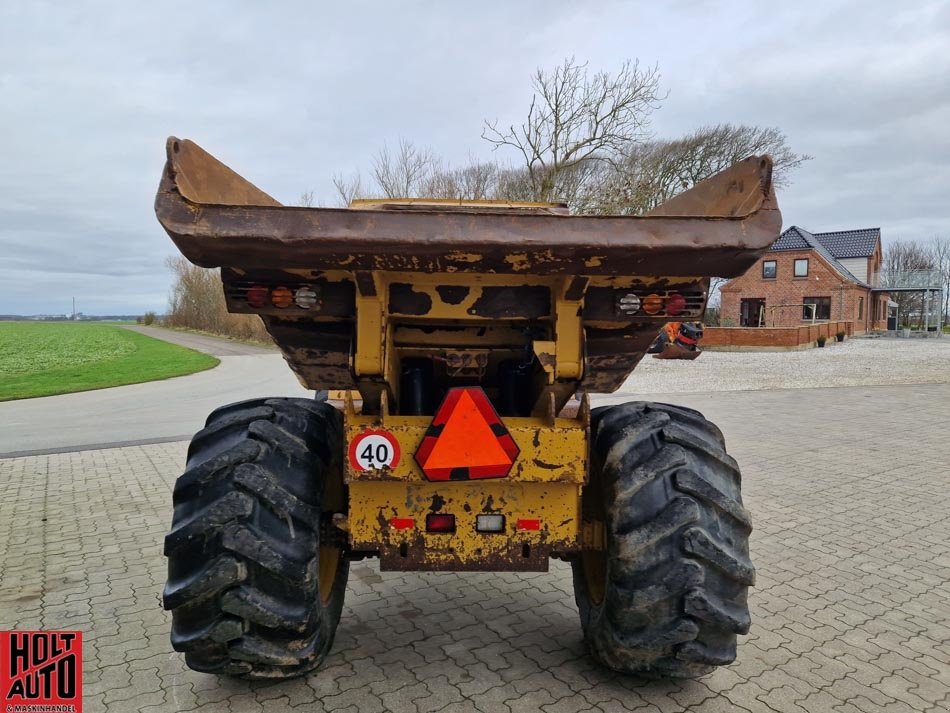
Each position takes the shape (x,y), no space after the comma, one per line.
(807,277)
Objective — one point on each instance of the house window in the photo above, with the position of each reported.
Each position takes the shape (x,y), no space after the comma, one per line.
(752,313)
(801,267)
(822,307)
(860,308)
(768,269)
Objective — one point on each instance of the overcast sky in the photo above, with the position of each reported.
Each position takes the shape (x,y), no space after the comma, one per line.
(291,93)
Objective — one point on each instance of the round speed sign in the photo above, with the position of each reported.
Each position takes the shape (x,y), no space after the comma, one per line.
(374,449)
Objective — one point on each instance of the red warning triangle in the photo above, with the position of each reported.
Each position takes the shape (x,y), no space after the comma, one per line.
(466,440)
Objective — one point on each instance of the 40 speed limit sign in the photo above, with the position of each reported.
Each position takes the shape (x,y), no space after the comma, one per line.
(374,449)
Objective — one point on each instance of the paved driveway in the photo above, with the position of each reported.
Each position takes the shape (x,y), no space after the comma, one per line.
(203,343)
(170,409)
(848,488)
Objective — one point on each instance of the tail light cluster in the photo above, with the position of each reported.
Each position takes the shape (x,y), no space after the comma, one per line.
(279,296)
(665,303)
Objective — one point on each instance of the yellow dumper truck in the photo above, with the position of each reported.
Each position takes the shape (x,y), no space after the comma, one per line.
(464,339)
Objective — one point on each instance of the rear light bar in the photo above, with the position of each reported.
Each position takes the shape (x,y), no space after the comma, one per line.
(402,523)
(528,524)
(257,296)
(660,303)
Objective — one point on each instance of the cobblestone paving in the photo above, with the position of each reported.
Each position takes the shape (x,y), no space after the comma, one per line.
(851,613)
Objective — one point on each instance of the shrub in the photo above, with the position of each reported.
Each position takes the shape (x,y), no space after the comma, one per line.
(840,336)
(821,341)
(197,302)
(148,318)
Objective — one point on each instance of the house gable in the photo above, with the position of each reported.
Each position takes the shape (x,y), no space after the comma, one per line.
(843,285)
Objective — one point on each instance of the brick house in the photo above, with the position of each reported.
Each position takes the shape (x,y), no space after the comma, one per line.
(834,275)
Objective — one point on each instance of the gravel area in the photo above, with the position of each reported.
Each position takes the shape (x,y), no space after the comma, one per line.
(854,362)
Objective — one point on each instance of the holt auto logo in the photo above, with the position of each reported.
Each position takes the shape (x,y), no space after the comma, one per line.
(40,672)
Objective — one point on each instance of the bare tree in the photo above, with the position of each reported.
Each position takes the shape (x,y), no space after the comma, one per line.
(475,181)
(577,119)
(585,142)
(307,200)
(652,172)
(901,257)
(940,251)
(197,302)
(400,175)
(347,188)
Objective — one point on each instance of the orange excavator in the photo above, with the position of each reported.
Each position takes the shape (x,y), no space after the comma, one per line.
(678,340)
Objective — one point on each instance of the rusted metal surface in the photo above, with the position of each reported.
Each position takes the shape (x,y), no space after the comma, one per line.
(555,453)
(403,299)
(374,504)
(452,294)
(318,353)
(528,302)
(459,204)
(415,556)
(216,218)
(612,354)
(484,301)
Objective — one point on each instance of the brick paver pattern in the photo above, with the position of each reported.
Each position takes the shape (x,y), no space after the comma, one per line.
(851,612)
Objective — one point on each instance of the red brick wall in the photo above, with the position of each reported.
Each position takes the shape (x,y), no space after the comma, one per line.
(822,281)
(785,337)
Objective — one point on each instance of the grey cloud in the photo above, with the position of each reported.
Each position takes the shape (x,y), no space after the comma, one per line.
(290,94)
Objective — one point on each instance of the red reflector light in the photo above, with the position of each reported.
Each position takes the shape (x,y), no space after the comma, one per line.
(440,523)
(652,304)
(257,296)
(675,304)
(529,524)
(402,523)
(282,297)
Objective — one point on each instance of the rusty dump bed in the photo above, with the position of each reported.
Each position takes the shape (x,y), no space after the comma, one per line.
(399,297)
(218,219)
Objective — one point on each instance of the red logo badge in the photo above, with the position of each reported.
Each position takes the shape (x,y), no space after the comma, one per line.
(41,671)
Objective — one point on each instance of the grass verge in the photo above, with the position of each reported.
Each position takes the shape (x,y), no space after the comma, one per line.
(43,359)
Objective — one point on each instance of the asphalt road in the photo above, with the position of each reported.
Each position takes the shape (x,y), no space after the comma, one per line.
(202,343)
(172,409)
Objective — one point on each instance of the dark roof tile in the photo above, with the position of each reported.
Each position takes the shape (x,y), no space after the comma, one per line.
(791,239)
(796,238)
(850,243)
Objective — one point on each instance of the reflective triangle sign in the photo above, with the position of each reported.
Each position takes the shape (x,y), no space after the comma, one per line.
(466,439)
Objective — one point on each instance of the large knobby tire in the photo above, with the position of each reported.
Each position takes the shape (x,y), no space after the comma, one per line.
(252,589)
(662,591)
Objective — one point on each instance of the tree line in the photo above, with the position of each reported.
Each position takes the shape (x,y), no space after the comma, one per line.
(585,140)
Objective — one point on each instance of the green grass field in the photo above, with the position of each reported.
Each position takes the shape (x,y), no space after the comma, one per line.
(46,358)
